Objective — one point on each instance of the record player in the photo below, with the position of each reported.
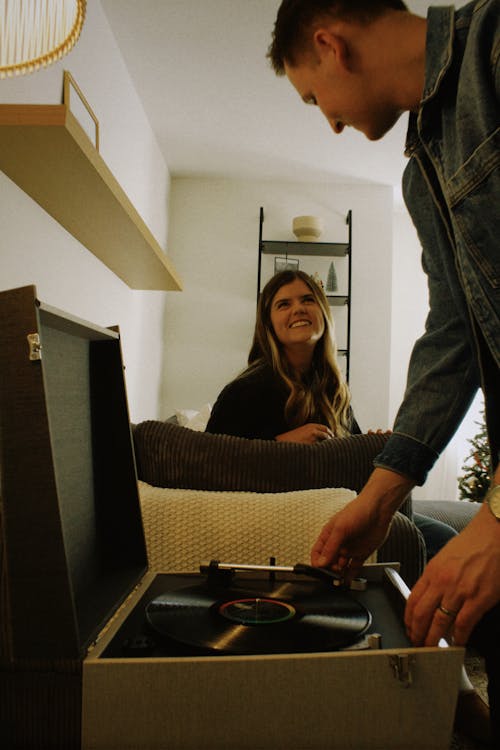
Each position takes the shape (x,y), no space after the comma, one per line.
(98,652)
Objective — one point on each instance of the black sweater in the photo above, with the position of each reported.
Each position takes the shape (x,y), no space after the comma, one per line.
(253,406)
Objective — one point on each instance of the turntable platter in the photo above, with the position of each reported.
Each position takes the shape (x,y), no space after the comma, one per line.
(238,620)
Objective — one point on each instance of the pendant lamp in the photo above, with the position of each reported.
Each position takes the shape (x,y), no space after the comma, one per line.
(35,33)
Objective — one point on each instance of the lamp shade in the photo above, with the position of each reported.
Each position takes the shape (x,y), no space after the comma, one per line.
(35,33)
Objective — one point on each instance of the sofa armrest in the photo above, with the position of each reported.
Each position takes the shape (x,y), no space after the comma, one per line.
(455,513)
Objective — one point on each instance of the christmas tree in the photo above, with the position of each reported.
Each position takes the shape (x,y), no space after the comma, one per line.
(331,282)
(474,483)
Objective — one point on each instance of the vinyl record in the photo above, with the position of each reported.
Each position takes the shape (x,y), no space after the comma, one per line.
(239,620)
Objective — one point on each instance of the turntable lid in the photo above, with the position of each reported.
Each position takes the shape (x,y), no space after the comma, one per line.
(72,531)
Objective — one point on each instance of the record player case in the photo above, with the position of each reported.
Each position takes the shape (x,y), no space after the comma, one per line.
(74,575)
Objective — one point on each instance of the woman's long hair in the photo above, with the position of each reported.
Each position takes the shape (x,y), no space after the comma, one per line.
(320,395)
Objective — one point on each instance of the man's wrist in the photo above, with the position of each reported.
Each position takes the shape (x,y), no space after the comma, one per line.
(388,488)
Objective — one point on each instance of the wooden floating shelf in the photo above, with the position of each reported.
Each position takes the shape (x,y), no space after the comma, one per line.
(46,152)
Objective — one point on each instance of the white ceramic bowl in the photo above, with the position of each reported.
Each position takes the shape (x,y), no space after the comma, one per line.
(307,228)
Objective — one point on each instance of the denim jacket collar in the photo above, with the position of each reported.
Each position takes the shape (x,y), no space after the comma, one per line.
(438,55)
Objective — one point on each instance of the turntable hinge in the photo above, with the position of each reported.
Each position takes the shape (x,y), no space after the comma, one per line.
(401,665)
(35,347)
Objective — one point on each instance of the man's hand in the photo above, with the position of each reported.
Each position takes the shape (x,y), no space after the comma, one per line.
(458,586)
(351,535)
(307,433)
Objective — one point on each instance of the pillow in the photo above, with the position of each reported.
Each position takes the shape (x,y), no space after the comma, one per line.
(192,419)
(185,528)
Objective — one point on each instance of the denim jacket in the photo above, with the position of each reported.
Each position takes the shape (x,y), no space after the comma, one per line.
(451,187)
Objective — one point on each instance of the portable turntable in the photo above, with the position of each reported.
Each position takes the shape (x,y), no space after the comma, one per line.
(98,652)
(224,612)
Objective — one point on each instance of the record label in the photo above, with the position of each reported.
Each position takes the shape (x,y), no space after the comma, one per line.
(256,611)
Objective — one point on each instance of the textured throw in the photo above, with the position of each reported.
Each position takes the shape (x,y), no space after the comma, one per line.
(185,528)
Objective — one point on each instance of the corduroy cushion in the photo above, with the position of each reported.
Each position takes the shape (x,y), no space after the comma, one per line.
(172,456)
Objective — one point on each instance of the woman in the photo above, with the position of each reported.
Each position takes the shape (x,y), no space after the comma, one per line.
(292,390)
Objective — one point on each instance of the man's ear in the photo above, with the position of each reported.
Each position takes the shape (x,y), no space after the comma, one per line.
(326,43)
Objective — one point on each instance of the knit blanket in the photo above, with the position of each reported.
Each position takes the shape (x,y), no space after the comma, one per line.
(185,528)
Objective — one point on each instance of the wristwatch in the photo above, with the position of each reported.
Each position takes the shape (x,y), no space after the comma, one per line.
(493,500)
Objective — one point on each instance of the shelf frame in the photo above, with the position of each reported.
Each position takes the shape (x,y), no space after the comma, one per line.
(46,152)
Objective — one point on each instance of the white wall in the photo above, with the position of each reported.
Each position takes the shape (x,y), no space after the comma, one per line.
(213,242)
(34,249)
(409,303)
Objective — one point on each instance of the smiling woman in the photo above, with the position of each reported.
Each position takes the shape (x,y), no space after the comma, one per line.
(292,389)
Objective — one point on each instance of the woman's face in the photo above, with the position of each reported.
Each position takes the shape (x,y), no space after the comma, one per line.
(296,317)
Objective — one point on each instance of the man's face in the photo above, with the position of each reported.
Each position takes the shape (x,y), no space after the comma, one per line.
(346,98)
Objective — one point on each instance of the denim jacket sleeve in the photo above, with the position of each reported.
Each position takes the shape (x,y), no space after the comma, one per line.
(443,374)
(452,189)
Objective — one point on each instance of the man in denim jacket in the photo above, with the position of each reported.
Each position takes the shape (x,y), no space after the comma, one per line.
(364,63)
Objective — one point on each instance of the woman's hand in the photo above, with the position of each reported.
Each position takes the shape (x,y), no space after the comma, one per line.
(309,433)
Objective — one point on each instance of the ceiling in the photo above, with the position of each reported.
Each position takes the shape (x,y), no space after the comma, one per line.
(217,108)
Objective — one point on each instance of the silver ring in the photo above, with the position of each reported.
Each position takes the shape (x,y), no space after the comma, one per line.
(447,612)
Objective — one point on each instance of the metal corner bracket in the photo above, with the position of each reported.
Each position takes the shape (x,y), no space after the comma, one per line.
(35,346)
(402,668)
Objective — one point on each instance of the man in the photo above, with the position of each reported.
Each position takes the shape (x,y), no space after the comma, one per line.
(364,63)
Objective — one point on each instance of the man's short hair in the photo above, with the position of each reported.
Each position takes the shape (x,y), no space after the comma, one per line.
(296,19)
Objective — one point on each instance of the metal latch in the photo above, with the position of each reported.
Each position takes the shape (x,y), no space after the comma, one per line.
(401,665)
(35,346)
